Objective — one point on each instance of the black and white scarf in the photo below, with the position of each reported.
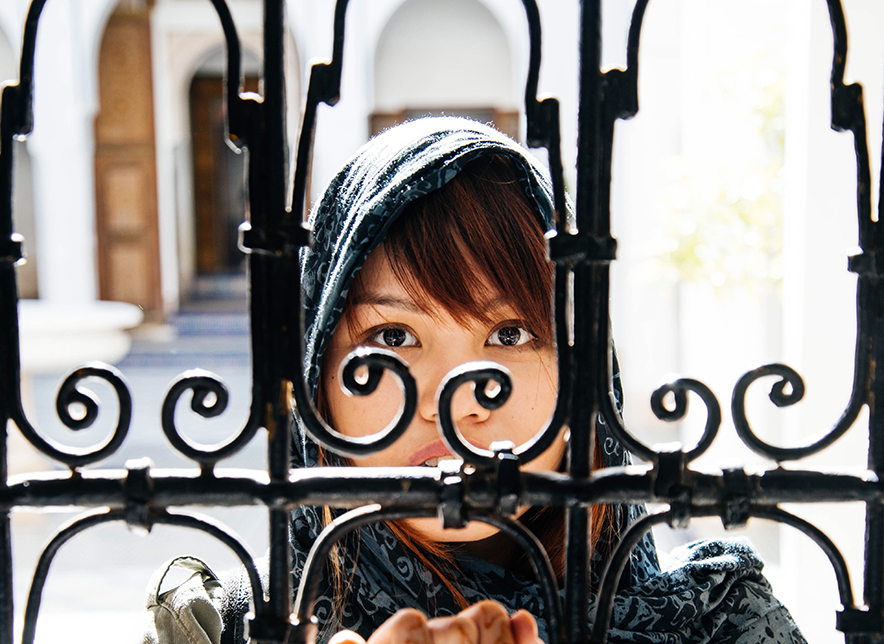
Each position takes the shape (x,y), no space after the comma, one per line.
(715,592)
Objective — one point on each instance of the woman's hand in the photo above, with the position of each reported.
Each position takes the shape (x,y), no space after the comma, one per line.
(486,622)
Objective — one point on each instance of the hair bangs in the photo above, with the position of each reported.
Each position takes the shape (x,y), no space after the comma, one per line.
(472,246)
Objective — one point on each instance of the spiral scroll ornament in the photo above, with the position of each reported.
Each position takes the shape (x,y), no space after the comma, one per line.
(72,396)
(492,386)
(781,397)
(373,362)
(679,390)
(209,400)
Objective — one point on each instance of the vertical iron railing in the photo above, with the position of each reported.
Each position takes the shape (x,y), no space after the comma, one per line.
(582,256)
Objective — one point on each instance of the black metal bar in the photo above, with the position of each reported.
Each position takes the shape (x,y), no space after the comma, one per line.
(582,255)
(308,588)
(589,132)
(873,306)
(543,569)
(848,113)
(873,585)
(35,595)
(344,487)
(789,377)
(842,574)
(237,122)
(587,282)
(10,364)
(222,534)
(279,420)
(15,119)
(69,394)
(579,459)
(90,520)
(369,514)
(6,598)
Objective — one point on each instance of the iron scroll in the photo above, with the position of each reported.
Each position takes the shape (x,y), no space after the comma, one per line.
(491,485)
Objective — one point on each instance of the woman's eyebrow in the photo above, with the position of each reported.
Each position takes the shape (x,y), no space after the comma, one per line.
(378,299)
(494,304)
(490,306)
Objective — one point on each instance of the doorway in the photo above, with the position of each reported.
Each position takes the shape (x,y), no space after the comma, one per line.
(220,199)
(125,164)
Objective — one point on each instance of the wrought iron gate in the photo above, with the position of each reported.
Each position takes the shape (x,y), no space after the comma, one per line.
(582,256)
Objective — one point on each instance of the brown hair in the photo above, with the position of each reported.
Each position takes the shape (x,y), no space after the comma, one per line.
(479,228)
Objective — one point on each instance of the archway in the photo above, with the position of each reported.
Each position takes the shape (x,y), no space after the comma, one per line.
(185,49)
(444,58)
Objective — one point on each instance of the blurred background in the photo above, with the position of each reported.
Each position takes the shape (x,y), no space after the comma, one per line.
(733,203)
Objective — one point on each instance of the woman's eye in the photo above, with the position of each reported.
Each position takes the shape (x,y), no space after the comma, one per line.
(509,336)
(394,337)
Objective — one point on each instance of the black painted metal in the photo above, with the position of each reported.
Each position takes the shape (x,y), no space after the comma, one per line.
(493,486)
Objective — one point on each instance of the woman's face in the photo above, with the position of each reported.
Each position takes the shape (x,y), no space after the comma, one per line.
(433,343)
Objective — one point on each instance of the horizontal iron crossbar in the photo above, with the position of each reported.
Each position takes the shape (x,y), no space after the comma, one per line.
(489,486)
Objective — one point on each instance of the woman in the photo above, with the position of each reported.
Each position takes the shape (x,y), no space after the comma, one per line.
(430,243)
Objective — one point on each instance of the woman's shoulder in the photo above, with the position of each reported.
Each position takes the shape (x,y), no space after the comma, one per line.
(713,589)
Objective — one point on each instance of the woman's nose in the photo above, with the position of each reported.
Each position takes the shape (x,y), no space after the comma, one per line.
(465,409)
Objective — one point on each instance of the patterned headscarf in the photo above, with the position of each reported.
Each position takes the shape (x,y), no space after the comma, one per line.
(715,593)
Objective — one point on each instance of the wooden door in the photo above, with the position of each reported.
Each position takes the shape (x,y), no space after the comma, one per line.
(125,164)
(218,179)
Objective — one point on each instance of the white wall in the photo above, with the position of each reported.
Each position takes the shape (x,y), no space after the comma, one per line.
(11,21)
(688,123)
(451,55)
(819,303)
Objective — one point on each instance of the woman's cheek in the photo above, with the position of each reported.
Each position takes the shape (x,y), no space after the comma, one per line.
(534,385)
(366,415)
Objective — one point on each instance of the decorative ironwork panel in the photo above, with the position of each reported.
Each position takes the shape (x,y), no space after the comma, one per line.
(488,485)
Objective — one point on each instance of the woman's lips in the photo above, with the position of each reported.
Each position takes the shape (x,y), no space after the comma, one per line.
(433,453)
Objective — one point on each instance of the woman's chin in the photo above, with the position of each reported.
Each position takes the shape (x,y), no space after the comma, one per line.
(432,529)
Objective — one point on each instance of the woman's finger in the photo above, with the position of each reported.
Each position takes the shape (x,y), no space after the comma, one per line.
(492,620)
(524,628)
(454,630)
(346,637)
(407,626)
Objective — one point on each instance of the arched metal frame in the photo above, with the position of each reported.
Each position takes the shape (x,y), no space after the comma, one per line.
(581,250)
